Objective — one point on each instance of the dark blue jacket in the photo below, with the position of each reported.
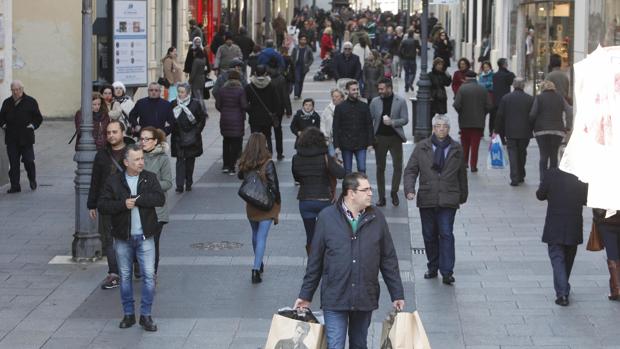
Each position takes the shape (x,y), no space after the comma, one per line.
(267,53)
(565,196)
(349,264)
(152,112)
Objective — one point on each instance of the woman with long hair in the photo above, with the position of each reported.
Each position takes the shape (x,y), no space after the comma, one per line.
(100,121)
(256,157)
(373,72)
(443,48)
(486,80)
(439,81)
(313,168)
(173,72)
(113,106)
(154,146)
(186,135)
(327,43)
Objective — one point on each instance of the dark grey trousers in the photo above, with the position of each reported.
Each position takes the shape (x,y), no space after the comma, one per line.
(394,145)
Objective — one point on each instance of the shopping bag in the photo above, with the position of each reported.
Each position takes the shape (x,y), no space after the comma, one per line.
(288,333)
(497,154)
(404,331)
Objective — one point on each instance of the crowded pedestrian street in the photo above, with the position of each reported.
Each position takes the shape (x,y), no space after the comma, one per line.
(503,296)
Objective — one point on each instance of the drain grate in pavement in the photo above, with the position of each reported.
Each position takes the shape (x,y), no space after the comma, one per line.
(418,250)
(216,246)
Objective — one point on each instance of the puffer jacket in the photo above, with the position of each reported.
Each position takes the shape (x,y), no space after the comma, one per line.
(446,189)
(112,202)
(312,168)
(158,162)
(232,103)
(353,129)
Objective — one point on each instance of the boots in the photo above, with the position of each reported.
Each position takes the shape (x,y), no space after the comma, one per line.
(614,279)
(308,250)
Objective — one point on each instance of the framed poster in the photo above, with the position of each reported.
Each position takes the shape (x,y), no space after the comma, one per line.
(130,59)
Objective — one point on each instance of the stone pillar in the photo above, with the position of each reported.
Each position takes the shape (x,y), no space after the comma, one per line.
(6,55)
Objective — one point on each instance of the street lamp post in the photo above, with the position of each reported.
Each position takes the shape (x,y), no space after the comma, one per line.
(86,244)
(423,112)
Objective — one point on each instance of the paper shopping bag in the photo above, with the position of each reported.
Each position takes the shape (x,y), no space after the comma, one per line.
(407,332)
(288,333)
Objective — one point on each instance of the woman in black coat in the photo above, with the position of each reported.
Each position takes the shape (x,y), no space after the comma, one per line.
(563,231)
(186,138)
(439,81)
(314,170)
(443,48)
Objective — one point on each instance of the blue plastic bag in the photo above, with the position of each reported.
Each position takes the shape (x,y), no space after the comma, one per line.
(497,154)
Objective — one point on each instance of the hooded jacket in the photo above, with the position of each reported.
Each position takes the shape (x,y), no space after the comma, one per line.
(158,162)
(262,101)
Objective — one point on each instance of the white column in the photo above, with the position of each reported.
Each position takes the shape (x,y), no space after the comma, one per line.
(580,34)
(6,54)
(479,34)
(456,32)
(470,30)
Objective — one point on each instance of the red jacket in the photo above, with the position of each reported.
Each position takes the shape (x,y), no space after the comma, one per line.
(327,45)
(457,80)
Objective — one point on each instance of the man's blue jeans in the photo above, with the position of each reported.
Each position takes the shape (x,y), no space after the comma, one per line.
(260,230)
(437,228)
(409,65)
(360,159)
(144,251)
(337,323)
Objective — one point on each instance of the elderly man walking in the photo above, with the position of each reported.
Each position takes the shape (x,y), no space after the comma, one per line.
(513,124)
(19,117)
(389,115)
(439,163)
(352,243)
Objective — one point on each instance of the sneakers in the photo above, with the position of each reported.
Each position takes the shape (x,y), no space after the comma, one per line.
(111,281)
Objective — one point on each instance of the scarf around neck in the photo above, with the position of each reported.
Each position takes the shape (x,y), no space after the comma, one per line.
(439,155)
(182,106)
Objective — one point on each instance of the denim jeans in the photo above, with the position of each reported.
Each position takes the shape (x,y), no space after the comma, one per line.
(309,210)
(144,250)
(360,159)
(437,227)
(330,150)
(337,323)
(259,240)
(562,258)
(409,66)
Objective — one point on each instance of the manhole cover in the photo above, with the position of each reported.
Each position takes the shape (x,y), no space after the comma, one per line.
(216,246)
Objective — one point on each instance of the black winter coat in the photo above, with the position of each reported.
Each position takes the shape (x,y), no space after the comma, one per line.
(502,81)
(443,51)
(301,121)
(112,202)
(513,115)
(103,167)
(246,44)
(154,112)
(353,129)
(259,114)
(231,103)
(409,48)
(184,130)
(565,196)
(281,87)
(348,264)
(16,118)
(439,98)
(312,168)
(347,67)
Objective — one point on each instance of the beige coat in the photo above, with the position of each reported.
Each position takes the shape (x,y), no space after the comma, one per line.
(173,71)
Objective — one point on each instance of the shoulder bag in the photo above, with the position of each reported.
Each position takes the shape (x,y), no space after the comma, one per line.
(594,241)
(255,191)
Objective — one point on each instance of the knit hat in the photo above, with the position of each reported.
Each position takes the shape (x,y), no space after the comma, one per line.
(119,84)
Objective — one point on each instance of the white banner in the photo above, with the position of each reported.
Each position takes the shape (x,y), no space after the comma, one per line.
(130,42)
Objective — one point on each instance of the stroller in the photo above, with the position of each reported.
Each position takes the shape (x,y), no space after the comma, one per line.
(325,71)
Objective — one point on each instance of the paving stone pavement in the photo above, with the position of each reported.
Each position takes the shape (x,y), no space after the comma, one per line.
(503,297)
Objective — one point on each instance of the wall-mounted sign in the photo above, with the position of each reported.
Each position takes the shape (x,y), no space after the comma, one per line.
(130,55)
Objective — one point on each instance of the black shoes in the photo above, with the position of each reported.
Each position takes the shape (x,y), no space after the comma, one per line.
(395,200)
(128,321)
(179,190)
(280,157)
(514,184)
(147,323)
(563,301)
(474,169)
(430,274)
(256,279)
(448,279)
(188,187)
(262,268)
(14,190)
(33,184)
(381,202)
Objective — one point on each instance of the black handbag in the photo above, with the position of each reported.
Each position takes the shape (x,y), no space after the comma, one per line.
(256,192)
(164,82)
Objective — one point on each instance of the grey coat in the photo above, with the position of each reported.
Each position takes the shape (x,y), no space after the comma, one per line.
(348,264)
(399,114)
(308,58)
(197,77)
(472,102)
(448,189)
(158,162)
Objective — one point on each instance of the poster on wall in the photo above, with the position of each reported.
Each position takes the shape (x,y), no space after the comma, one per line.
(130,42)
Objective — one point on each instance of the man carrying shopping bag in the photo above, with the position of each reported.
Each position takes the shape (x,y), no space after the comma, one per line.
(404,331)
(351,244)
